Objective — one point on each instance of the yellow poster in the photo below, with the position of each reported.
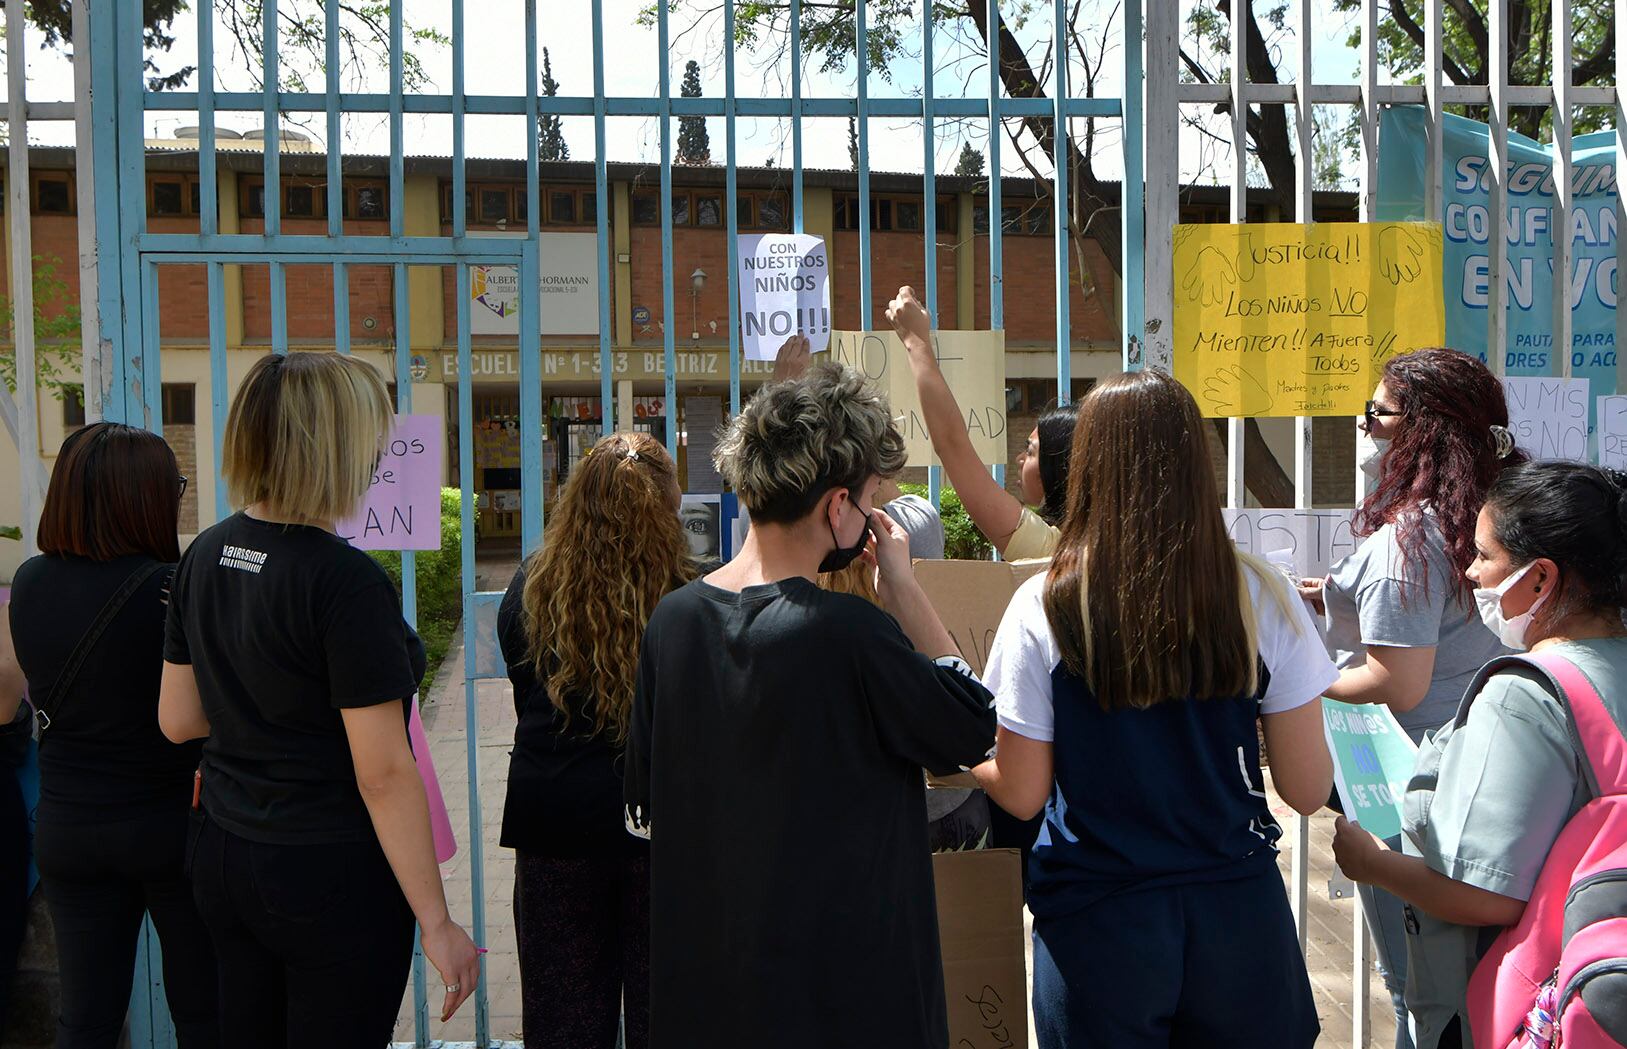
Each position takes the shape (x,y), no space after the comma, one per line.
(1283,319)
(974,366)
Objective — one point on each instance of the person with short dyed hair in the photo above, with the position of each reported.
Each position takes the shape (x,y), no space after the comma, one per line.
(286,652)
(778,736)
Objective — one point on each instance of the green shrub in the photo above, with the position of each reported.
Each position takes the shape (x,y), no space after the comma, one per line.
(961,539)
(440,584)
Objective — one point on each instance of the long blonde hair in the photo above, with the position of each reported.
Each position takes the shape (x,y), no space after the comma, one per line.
(612,550)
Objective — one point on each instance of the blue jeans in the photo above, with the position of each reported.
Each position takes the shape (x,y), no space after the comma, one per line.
(1388,925)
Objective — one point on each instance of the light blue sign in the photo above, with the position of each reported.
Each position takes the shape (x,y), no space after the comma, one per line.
(1528,233)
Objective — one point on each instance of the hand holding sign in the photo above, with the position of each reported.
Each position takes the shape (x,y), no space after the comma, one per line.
(1230,388)
(909,319)
(793,359)
(1400,255)
(1355,850)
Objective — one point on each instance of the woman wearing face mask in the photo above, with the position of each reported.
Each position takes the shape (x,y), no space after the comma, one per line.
(777,739)
(1401,621)
(1015,530)
(1549,569)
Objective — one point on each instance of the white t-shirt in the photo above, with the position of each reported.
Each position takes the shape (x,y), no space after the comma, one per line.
(1025,654)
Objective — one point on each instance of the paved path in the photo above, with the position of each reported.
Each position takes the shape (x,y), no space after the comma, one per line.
(1328,949)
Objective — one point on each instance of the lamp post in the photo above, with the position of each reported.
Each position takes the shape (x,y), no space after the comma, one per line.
(697,281)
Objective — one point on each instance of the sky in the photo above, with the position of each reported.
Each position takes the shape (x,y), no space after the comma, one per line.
(495,64)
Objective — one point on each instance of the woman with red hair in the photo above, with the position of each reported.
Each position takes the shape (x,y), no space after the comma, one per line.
(1401,618)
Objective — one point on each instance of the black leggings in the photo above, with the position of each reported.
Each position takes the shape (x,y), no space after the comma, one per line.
(314,941)
(100,878)
(583,927)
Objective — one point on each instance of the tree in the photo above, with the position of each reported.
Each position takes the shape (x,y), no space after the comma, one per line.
(56,331)
(551,144)
(970,164)
(853,143)
(694,145)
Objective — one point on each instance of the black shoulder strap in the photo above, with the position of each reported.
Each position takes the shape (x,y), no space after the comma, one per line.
(76,658)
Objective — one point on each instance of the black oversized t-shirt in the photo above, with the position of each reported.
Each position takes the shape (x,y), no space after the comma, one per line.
(284,626)
(103,756)
(775,754)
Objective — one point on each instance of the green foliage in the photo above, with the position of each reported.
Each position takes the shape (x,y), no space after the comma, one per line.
(853,143)
(56,331)
(440,584)
(694,144)
(551,143)
(970,164)
(961,539)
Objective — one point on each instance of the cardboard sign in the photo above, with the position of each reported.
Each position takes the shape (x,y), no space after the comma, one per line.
(1307,541)
(1284,319)
(1548,416)
(402,510)
(784,291)
(1373,758)
(1613,432)
(974,366)
(980,932)
(971,598)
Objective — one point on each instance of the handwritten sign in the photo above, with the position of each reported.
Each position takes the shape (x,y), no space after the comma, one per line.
(1283,319)
(1373,759)
(1308,541)
(402,510)
(1548,416)
(973,364)
(1613,432)
(784,291)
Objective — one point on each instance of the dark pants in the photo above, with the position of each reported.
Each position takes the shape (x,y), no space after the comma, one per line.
(100,878)
(1210,966)
(583,927)
(314,941)
(15,856)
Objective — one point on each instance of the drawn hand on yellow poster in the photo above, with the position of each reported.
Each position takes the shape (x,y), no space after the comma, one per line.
(1283,319)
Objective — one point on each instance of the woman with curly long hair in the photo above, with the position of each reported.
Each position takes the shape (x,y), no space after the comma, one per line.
(1401,618)
(570,627)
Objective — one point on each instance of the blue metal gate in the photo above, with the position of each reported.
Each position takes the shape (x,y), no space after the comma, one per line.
(130,257)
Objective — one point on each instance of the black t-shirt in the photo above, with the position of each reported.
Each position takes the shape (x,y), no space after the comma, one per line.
(103,754)
(284,626)
(775,756)
(564,780)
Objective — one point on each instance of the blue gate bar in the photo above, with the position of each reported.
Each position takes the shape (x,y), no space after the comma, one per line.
(130,193)
(398,191)
(731,207)
(208,221)
(929,207)
(861,51)
(669,332)
(601,222)
(217,381)
(1059,175)
(271,191)
(336,205)
(471,722)
(321,248)
(279,297)
(997,107)
(532,419)
(1132,216)
(796,120)
(151,360)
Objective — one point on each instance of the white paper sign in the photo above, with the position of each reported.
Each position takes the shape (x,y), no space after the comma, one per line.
(1308,541)
(1548,416)
(568,282)
(1613,432)
(784,291)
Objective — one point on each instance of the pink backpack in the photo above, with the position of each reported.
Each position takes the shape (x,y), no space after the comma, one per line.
(1559,977)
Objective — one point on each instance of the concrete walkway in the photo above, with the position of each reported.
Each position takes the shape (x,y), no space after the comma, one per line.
(1328,950)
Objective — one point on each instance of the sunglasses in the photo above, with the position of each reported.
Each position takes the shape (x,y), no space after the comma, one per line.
(1373,413)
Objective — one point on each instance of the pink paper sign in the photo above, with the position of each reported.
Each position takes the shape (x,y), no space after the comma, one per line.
(402,510)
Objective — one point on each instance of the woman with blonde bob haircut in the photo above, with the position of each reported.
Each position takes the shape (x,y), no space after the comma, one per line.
(778,736)
(1128,680)
(570,627)
(286,652)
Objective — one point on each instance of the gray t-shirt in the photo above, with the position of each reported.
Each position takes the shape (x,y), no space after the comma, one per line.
(1369,602)
(1510,778)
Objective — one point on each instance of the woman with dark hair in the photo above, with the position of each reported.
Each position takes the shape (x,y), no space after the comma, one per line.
(87,621)
(1016,531)
(570,627)
(1401,621)
(1127,697)
(1550,575)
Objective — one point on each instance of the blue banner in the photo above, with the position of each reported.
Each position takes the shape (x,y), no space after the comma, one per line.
(1403,138)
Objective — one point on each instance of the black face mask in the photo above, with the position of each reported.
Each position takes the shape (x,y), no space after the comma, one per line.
(843,556)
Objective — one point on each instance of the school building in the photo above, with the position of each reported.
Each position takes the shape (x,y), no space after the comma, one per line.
(496,205)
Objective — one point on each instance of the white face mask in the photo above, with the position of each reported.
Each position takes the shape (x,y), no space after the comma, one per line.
(1490,601)
(1370,453)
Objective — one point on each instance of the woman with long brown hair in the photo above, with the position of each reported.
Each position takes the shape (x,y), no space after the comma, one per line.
(1128,680)
(1401,620)
(87,622)
(570,626)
